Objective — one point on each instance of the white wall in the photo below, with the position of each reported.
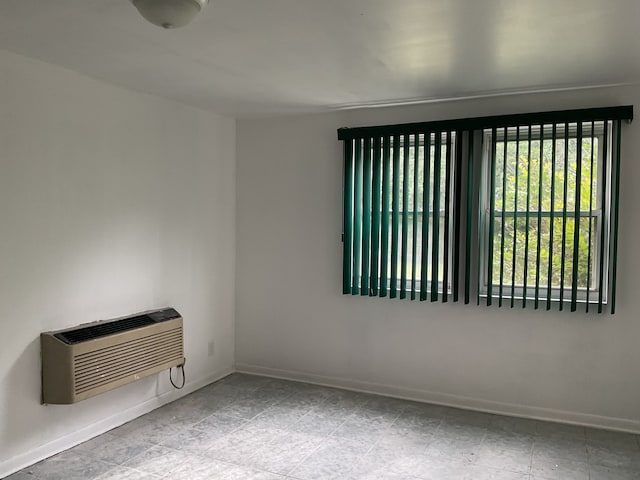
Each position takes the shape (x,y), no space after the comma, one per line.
(292,320)
(111,203)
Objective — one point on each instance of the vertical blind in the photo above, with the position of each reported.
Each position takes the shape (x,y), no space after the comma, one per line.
(527,204)
(399,204)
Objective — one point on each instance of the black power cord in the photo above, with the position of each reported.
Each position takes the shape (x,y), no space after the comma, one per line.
(184,377)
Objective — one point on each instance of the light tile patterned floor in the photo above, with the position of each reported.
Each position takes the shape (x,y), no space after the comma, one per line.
(254,428)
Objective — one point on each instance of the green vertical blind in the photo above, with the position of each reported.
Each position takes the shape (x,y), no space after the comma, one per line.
(399,204)
(517,210)
(549,229)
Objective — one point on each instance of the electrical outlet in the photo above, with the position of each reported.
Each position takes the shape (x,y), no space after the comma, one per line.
(210,348)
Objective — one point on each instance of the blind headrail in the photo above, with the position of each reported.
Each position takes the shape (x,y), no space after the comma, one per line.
(496,121)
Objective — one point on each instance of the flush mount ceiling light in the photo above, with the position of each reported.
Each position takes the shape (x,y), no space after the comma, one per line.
(169,13)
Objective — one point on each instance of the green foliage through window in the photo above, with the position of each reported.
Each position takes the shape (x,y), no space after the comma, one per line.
(537,171)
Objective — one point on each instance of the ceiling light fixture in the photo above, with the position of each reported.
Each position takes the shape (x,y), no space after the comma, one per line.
(169,13)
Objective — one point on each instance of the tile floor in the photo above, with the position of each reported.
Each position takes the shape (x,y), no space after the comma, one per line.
(254,428)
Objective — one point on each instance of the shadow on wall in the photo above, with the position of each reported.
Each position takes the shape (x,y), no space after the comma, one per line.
(23,394)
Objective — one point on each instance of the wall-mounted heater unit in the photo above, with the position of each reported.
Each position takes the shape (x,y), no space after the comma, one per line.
(80,362)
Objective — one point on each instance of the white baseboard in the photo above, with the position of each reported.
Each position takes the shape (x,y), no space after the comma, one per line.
(87,433)
(468,403)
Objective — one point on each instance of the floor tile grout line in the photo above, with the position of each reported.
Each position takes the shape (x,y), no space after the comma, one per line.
(320,444)
(325,440)
(330,436)
(273,440)
(531,460)
(229,463)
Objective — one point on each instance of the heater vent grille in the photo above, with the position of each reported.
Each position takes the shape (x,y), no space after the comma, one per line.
(101,367)
(103,329)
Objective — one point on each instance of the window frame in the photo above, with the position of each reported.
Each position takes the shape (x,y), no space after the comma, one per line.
(602,214)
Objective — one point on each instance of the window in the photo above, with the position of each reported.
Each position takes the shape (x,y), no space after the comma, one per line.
(525,204)
(547,222)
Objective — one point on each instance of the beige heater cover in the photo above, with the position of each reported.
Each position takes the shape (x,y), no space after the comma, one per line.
(80,362)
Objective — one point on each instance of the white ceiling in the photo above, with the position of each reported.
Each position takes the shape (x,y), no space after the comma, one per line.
(257,57)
